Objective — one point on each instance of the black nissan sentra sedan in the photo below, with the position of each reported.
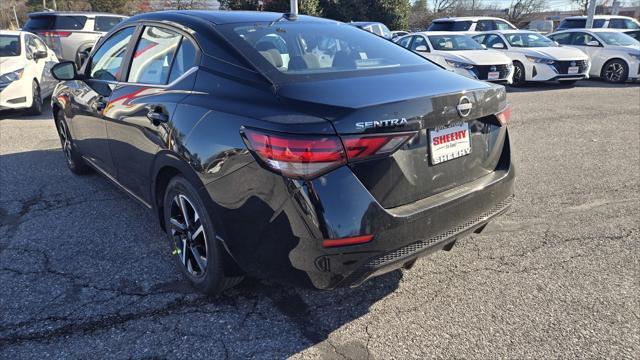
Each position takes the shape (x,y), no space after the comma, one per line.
(296,149)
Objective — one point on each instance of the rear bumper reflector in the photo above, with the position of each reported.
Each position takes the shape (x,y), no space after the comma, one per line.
(347,241)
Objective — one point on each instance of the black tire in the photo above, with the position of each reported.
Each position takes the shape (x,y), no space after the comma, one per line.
(190,239)
(615,71)
(36,104)
(74,160)
(519,76)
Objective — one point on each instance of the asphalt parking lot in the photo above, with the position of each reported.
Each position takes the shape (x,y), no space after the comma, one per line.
(85,271)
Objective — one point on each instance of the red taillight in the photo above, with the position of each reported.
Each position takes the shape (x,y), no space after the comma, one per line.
(308,156)
(359,147)
(56,33)
(297,156)
(347,241)
(504,116)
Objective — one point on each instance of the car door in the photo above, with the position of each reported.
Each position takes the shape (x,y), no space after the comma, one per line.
(596,54)
(91,95)
(43,66)
(161,72)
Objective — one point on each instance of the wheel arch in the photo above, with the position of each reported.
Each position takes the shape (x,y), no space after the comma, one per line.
(604,64)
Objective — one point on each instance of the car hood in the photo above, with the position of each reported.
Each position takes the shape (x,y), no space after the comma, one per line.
(364,91)
(12,63)
(476,57)
(555,53)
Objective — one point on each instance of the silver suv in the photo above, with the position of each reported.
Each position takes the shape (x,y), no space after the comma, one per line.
(69,34)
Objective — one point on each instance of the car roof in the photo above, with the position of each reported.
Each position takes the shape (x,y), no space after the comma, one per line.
(12,32)
(364,23)
(74,13)
(594,30)
(219,17)
(427,33)
(513,31)
(580,17)
(468,18)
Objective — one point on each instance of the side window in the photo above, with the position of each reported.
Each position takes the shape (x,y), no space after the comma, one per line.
(385,31)
(493,39)
(105,23)
(376,29)
(484,25)
(480,39)
(40,46)
(581,39)
(630,24)
(419,41)
(404,42)
(563,38)
(106,62)
(185,59)
(153,55)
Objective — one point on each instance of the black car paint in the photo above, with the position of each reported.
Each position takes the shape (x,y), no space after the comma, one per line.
(273,226)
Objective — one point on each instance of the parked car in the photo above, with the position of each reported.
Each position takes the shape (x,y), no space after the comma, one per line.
(633,33)
(599,21)
(614,56)
(461,54)
(309,172)
(536,57)
(541,26)
(377,28)
(25,71)
(70,34)
(470,24)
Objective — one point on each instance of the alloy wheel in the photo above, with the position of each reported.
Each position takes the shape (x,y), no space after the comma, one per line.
(614,72)
(64,140)
(517,75)
(189,237)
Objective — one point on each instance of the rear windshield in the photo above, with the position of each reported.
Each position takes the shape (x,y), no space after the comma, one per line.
(298,51)
(9,45)
(54,22)
(105,23)
(454,42)
(580,23)
(450,26)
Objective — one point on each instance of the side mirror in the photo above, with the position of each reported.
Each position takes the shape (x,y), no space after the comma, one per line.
(593,43)
(40,54)
(557,43)
(421,48)
(498,46)
(484,46)
(65,70)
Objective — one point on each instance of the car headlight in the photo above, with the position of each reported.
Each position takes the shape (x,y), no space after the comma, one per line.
(635,56)
(11,77)
(539,60)
(458,64)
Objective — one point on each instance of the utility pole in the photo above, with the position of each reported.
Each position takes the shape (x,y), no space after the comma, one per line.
(55,5)
(44,4)
(16,16)
(294,7)
(592,11)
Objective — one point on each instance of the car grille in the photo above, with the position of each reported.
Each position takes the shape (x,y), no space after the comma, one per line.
(562,67)
(482,71)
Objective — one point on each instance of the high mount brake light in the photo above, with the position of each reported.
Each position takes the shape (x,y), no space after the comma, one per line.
(504,116)
(308,156)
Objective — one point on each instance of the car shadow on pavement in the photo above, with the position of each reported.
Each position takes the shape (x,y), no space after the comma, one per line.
(547,86)
(80,260)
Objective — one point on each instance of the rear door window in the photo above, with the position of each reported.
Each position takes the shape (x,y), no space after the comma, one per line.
(184,60)
(152,58)
(419,41)
(503,25)
(485,25)
(563,38)
(106,23)
(404,42)
(55,22)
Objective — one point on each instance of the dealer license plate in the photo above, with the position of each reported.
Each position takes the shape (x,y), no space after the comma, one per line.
(493,75)
(449,142)
(573,69)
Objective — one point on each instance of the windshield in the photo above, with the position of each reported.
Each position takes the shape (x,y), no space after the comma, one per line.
(449,26)
(528,40)
(9,45)
(289,51)
(454,42)
(617,38)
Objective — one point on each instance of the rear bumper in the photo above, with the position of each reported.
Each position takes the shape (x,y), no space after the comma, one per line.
(274,227)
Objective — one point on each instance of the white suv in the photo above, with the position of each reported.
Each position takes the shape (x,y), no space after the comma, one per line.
(600,21)
(470,24)
(25,71)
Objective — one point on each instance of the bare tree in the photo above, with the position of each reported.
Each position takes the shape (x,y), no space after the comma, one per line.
(521,10)
(443,6)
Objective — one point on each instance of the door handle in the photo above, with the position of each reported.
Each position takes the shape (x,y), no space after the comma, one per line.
(157,118)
